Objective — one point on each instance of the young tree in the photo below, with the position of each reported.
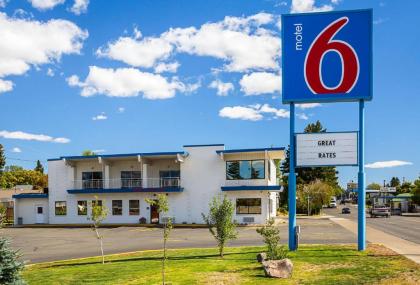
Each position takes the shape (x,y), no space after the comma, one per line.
(2,158)
(3,216)
(39,167)
(98,215)
(220,221)
(416,191)
(271,235)
(162,205)
(374,186)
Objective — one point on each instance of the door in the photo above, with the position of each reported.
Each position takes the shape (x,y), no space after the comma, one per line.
(154,214)
(40,215)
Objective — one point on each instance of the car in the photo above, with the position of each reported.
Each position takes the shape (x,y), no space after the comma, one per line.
(346,211)
(380,212)
(333,205)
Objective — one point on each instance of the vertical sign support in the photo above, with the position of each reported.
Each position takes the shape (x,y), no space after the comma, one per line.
(361,223)
(292,182)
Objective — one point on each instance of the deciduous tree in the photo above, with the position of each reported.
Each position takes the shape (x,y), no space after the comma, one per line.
(98,215)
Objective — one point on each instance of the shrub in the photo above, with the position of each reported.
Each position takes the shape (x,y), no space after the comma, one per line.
(271,236)
(10,266)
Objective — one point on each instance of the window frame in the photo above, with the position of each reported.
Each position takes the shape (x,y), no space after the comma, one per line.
(79,213)
(117,208)
(130,207)
(56,208)
(248,207)
(249,160)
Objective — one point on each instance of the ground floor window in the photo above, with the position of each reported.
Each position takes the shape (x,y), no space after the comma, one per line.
(60,208)
(248,206)
(134,207)
(116,207)
(96,203)
(82,208)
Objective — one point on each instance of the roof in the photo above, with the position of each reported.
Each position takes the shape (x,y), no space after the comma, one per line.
(269,149)
(141,154)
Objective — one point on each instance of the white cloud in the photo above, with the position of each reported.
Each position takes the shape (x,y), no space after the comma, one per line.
(50,72)
(167,67)
(302,116)
(253,112)
(45,4)
(3,3)
(16,149)
(5,86)
(79,6)
(258,83)
(302,6)
(98,151)
(243,43)
(18,135)
(25,42)
(121,109)
(128,82)
(223,88)
(388,163)
(100,117)
(308,105)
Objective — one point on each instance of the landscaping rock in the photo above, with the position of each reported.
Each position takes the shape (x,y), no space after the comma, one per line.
(278,268)
(261,257)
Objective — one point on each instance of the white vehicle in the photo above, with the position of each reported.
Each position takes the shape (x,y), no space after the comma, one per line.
(333,203)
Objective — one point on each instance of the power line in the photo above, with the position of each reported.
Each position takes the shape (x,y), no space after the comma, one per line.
(20,159)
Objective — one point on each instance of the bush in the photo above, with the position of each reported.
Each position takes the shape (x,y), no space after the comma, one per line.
(10,266)
(271,235)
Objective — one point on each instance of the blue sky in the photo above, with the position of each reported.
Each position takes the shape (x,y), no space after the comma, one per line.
(188,72)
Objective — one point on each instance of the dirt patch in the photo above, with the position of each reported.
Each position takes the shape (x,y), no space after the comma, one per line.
(406,278)
(328,266)
(222,278)
(380,250)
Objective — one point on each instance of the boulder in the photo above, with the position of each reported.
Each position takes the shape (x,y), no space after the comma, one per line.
(261,257)
(278,268)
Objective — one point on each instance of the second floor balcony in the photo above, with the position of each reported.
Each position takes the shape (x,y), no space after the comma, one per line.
(171,184)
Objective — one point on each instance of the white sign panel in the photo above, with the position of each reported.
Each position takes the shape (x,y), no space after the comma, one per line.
(388,189)
(326,149)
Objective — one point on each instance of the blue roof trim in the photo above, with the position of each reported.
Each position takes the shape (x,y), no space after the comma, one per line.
(119,155)
(126,190)
(203,145)
(250,150)
(54,159)
(250,188)
(30,195)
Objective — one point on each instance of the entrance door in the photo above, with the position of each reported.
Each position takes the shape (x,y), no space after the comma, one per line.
(154,214)
(40,215)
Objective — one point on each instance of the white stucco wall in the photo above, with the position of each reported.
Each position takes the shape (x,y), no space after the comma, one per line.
(25,208)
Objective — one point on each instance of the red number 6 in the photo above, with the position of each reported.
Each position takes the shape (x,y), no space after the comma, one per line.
(323,44)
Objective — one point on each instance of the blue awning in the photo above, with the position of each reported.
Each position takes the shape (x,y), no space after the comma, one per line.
(126,190)
(30,195)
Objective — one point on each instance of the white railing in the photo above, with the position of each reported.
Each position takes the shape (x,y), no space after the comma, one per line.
(246,182)
(127,183)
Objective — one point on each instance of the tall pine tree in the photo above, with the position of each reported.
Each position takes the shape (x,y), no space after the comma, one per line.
(39,167)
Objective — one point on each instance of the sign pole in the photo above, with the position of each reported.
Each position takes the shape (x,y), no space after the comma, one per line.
(292,181)
(361,200)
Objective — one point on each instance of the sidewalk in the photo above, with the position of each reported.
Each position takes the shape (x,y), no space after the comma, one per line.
(407,248)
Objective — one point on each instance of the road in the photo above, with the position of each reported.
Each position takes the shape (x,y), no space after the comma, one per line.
(49,244)
(407,228)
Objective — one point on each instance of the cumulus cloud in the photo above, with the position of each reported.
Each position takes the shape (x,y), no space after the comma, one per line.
(16,150)
(243,43)
(305,6)
(253,112)
(79,6)
(167,67)
(259,83)
(45,4)
(129,82)
(26,42)
(18,135)
(388,163)
(223,88)
(308,105)
(100,117)
(302,116)
(121,109)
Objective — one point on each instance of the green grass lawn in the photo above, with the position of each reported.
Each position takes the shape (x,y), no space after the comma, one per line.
(313,264)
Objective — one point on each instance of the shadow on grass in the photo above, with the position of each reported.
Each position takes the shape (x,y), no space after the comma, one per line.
(159,258)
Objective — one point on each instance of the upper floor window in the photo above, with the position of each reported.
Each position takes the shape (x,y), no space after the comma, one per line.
(245,169)
(60,208)
(130,179)
(169,178)
(92,179)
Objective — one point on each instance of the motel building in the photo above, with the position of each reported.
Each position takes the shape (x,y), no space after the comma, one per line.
(190,178)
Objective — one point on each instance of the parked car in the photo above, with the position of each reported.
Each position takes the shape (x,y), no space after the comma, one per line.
(346,211)
(380,212)
(333,205)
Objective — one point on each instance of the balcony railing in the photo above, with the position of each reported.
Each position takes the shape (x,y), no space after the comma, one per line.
(127,183)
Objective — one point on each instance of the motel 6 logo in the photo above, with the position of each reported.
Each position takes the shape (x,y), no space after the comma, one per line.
(327,57)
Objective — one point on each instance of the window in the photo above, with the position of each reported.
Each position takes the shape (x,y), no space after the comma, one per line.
(248,206)
(134,207)
(60,208)
(169,178)
(92,179)
(116,207)
(94,203)
(130,179)
(245,169)
(82,208)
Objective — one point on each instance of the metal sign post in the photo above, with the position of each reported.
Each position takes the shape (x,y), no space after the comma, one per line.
(327,57)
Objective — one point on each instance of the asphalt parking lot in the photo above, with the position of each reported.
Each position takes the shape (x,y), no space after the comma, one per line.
(49,244)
